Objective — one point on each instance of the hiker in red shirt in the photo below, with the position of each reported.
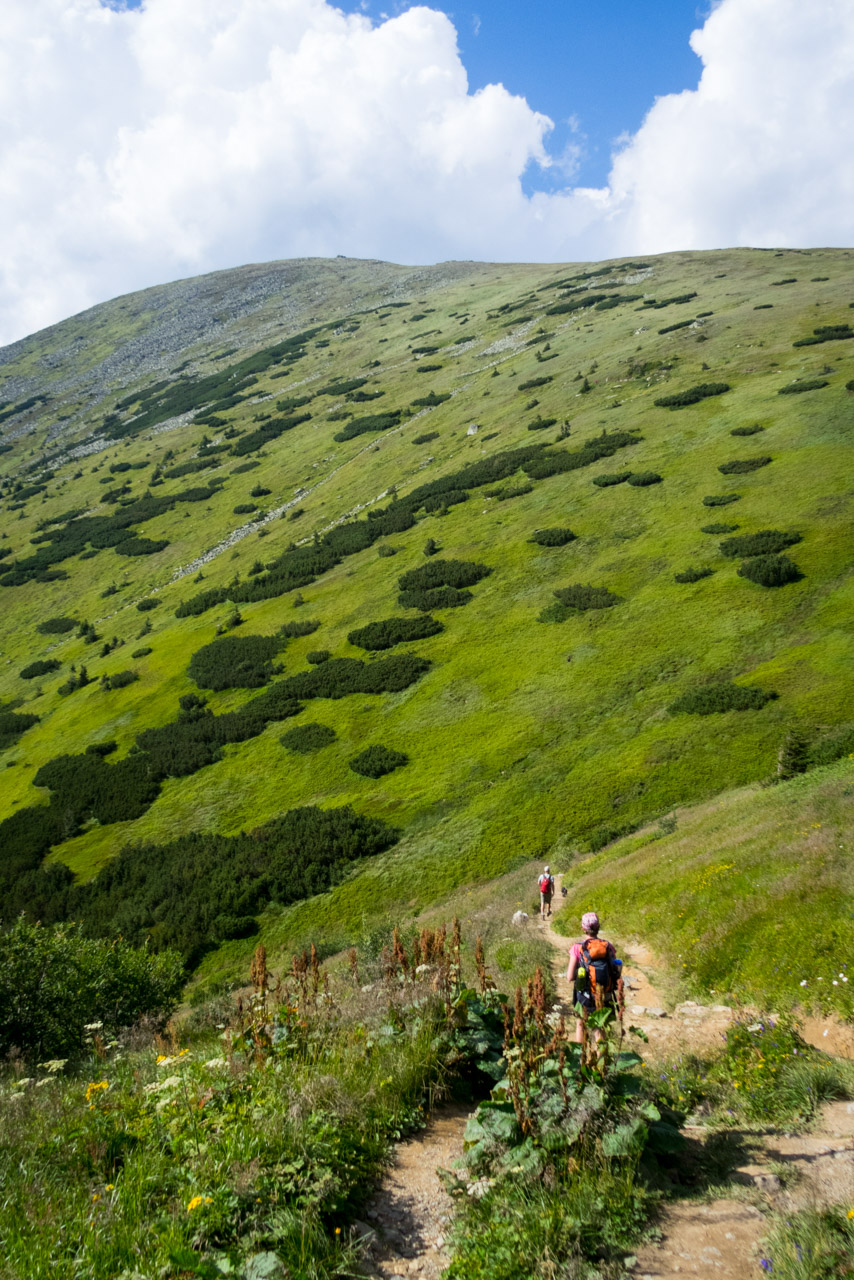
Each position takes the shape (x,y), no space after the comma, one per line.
(594,971)
(547,888)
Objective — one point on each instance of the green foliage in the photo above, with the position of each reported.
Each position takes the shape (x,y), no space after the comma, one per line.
(680,324)
(41,667)
(230,662)
(765,542)
(142,652)
(370,423)
(425,437)
(541,424)
(692,575)
(811,1244)
(553,462)
(794,756)
(316,656)
(834,746)
(54,981)
(385,551)
(720,696)
(770,571)
(269,431)
(341,676)
(144,606)
(428,402)
(581,598)
(641,479)
(808,384)
(391,631)
(245,508)
(693,395)
(721,499)
(376,761)
(13,725)
(747,431)
(605,480)
(118,680)
(307,738)
(741,466)
(718,528)
(826,333)
(552,537)
(443,573)
(534,382)
(141,546)
(437,598)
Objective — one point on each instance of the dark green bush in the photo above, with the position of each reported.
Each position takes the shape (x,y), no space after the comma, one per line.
(810,384)
(718,528)
(826,333)
(640,479)
(681,324)
(39,668)
(429,401)
(770,571)
(245,508)
(293,630)
(267,433)
(144,606)
(13,725)
(721,696)
(581,598)
(541,424)
(385,551)
(143,652)
(534,382)
(693,395)
(54,981)
(765,542)
(56,626)
(391,631)
(306,738)
(376,761)
(119,680)
(788,280)
(747,431)
(741,466)
(428,368)
(315,656)
(832,747)
(102,748)
(141,546)
(512,491)
(552,462)
(613,477)
(84,787)
(437,598)
(693,575)
(341,388)
(342,676)
(185,469)
(259,491)
(426,437)
(721,499)
(229,662)
(372,422)
(552,537)
(245,466)
(443,573)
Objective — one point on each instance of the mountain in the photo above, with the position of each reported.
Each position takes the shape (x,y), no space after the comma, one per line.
(544,551)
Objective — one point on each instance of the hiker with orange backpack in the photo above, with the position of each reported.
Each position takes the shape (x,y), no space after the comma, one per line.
(594,971)
(547,887)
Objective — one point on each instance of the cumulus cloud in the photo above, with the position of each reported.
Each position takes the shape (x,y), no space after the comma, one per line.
(141,145)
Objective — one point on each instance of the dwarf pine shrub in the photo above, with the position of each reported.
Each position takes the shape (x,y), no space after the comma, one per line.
(608,478)
(370,423)
(376,761)
(230,662)
(144,606)
(747,431)
(384,550)
(12,725)
(718,528)
(770,570)
(553,537)
(581,598)
(826,333)
(141,546)
(391,631)
(307,738)
(315,656)
(41,667)
(443,573)
(693,395)
(541,424)
(765,542)
(640,479)
(143,652)
(534,382)
(721,696)
(721,499)
(741,466)
(693,575)
(809,384)
(425,437)
(434,598)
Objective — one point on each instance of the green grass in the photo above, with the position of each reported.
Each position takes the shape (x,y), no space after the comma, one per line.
(523,737)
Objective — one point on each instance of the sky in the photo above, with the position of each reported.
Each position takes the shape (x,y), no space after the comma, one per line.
(144,142)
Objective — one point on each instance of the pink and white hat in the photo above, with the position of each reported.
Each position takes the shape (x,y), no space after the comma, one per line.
(589,921)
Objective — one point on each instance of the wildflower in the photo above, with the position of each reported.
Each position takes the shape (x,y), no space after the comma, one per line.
(94,1087)
(851,1212)
(803,982)
(337,1231)
(766,1264)
(111,1186)
(93,1026)
(95,1197)
(197,1202)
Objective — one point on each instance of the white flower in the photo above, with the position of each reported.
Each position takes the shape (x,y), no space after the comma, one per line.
(803,982)
(835,983)
(213,1064)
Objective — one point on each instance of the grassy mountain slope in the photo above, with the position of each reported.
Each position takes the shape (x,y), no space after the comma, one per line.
(524,736)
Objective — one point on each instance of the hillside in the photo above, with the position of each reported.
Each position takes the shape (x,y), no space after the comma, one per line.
(233,458)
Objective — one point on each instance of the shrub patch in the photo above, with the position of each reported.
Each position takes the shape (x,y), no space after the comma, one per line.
(552,537)
(376,761)
(721,696)
(770,570)
(391,631)
(306,738)
(580,598)
(741,466)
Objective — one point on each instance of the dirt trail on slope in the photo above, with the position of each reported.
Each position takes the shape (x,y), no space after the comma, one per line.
(721,1238)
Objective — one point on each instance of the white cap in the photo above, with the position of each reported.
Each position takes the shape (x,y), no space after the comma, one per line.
(545,868)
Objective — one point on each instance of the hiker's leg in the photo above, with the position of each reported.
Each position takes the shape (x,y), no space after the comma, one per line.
(579,1031)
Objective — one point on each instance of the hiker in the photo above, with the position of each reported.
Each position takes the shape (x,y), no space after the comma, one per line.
(547,888)
(594,971)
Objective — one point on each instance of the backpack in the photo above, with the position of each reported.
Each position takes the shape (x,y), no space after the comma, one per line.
(601,973)
(545,884)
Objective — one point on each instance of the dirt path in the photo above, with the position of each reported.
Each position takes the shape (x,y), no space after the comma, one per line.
(409,1214)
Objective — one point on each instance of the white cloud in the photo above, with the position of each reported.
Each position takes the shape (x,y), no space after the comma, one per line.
(141,145)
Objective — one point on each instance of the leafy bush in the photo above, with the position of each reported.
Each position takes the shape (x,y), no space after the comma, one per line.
(826,333)
(512,491)
(372,422)
(119,680)
(12,726)
(39,668)
(747,431)
(144,606)
(392,631)
(581,598)
(605,480)
(721,499)
(765,542)
(429,401)
(810,384)
(741,466)
(553,462)
(376,761)
(102,748)
(541,424)
(385,551)
(143,652)
(437,598)
(56,626)
(721,696)
(428,368)
(341,388)
(141,546)
(443,573)
(425,437)
(293,630)
(693,575)
(770,571)
(641,479)
(245,508)
(832,747)
(267,433)
(55,981)
(693,395)
(230,662)
(534,382)
(680,324)
(552,537)
(315,656)
(341,676)
(718,528)
(306,738)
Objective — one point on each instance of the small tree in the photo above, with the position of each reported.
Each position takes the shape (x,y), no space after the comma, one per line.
(792,758)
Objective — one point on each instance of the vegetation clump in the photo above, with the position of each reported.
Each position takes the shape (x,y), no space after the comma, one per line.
(434,598)
(826,333)
(376,761)
(809,384)
(141,546)
(42,667)
(580,598)
(718,528)
(391,631)
(235,662)
(425,437)
(307,738)
(443,573)
(770,570)
(765,542)
(608,478)
(12,725)
(693,395)
(641,479)
(741,466)
(145,606)
(552,462)
(119,680)
(747,431)
(721,696)
(693,575)
(553,537)
(370,423)
(720,499)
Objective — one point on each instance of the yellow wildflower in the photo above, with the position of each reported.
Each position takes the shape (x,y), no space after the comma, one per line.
(197,1201)
(94,1087)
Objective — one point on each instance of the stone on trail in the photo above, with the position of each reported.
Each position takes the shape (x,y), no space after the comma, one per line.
(656,1013)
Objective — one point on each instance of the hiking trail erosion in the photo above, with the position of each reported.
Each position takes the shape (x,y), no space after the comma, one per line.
(409,1215)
